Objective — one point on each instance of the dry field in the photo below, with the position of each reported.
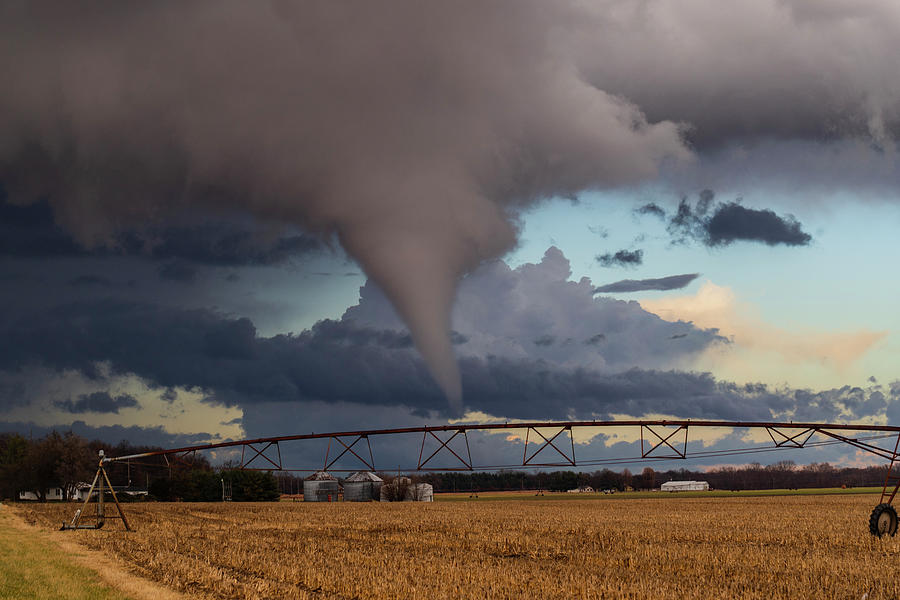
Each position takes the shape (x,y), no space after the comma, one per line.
(780,547)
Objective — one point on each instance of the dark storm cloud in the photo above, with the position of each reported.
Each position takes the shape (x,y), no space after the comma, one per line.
(31,232)
(545,340)
(622,258)
(113,434)
(231,246)
(672,282)
(343,332)
(536,390)
(12,392)
(177,270)
(722,224)
(171,348)
(651,208)
(595,339)
(732,222)
(89,280)
(97,402)
(225,356)
(820,70)
(838,403)
(350,333)
(332,363)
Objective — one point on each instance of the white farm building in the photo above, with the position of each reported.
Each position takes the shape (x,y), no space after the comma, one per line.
(684,486)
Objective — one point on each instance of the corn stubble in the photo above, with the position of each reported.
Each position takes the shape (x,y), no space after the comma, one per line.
(798,547)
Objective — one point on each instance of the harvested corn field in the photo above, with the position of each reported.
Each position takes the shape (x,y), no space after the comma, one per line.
(792,546)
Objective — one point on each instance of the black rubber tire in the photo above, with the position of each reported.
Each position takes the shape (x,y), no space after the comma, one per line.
(883,520)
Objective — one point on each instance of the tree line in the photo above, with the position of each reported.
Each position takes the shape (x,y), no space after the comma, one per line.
(784,474)
(67,460)
(781,475)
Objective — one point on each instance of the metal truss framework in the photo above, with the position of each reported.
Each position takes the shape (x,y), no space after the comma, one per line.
(660,440)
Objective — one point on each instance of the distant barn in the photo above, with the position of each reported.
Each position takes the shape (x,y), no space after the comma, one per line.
(684,486)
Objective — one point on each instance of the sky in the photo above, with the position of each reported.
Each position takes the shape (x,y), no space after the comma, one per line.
(222,220)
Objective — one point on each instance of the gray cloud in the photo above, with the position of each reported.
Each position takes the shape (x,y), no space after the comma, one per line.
(202,349)
(337,364)
(545,340)
(722,224)
(113,434)
(235,366)
(97,402)
(90,280)
(732,222)
(595,339)
(178,271)
(818,70)
(532,310)
(672,282)
(330,124)
(367,357)
(651,208)
(622,258)
(31,232)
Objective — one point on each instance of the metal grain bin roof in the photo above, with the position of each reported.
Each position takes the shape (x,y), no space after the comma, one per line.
(320,476)
(363,476)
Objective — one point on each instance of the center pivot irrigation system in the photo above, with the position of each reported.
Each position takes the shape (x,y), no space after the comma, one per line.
(661,440)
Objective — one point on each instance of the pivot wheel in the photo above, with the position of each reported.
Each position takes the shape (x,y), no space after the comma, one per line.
(883,520)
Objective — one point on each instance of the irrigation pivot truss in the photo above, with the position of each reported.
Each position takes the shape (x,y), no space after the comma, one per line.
(552,444)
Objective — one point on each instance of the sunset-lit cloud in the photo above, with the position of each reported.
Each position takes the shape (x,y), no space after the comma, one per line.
(762,351)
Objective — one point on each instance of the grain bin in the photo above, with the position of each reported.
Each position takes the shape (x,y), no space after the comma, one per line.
(419,492)
(362,486)
(320,487)
(403,489)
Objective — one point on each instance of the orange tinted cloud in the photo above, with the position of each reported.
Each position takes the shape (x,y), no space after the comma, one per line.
(761,351)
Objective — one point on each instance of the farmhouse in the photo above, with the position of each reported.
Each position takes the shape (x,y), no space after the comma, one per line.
(79,494)
(684,486)
(49,494)
(57,493)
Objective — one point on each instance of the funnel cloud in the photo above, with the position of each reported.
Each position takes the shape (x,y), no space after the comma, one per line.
(412,131)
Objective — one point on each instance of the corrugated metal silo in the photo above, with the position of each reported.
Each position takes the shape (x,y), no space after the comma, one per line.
(403,489)
(362,486)
(419,492)
(320,487)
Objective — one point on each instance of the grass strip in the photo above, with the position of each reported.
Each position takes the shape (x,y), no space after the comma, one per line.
(34,568)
